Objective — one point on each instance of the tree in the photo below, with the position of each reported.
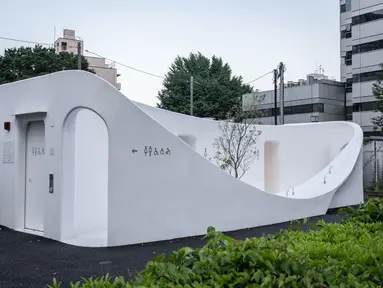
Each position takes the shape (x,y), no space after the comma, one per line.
(377,91)
(216,90)
(26,62)
(236,146)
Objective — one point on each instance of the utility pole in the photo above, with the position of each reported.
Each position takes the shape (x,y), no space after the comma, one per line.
(79,55)
(282,91)
(275,96)
(191,94)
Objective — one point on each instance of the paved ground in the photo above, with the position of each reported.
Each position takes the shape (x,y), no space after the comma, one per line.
(28,261)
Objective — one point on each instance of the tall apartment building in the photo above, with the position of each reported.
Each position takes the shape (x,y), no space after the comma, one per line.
(361,51)
(69,42)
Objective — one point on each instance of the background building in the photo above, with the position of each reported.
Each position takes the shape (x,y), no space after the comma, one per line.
(361,51)
(69,42)
(313,99)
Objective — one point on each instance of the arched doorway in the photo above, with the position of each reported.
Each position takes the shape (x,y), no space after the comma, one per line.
(86,178)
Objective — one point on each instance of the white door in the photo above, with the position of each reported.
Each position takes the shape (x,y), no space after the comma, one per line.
(36,180)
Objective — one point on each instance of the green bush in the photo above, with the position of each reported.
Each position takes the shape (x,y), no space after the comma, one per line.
(368,212)
(334,255)
(348,254)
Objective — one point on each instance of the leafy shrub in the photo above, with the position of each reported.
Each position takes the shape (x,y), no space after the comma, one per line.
(368,212)
(334,255)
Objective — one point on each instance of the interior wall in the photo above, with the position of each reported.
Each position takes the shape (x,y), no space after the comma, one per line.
(90,173)
(271,168)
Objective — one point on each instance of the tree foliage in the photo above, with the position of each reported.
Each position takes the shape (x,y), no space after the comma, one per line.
(236,146)
(216,90)
(26,62)
(377,91)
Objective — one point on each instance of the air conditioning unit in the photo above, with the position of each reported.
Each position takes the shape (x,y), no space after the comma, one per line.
(314,118)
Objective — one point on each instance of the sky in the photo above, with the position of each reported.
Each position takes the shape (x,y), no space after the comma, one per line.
(252,36)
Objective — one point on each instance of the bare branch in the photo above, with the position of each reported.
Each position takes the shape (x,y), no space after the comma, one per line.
(236,145)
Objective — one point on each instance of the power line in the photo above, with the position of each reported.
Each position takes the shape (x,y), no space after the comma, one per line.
(25,41)
(272,71)
(127,66)
(124,65)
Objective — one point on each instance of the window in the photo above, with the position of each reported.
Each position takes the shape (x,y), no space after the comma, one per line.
(364,18)
(63,46)
(345,7)
(346,33)
(348,58)
(318,107)
(348,86)
(367,47)
(348,5)
(298,109)
(366,76)
(267,112)
(365,106)
(356,107)
(349,110)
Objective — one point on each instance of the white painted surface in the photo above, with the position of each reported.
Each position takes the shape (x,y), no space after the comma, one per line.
(191,140)
(174,194)
(36,180)
(271,166)
(91,174)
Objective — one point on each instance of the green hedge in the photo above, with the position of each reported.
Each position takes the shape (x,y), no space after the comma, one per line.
(347,254)
(369,212)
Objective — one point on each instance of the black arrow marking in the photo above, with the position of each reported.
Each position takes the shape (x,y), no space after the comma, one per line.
(134,151)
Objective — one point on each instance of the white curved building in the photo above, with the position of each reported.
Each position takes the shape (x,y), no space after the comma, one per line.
(84,165)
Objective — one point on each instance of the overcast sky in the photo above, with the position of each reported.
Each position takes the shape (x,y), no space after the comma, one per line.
(253,36)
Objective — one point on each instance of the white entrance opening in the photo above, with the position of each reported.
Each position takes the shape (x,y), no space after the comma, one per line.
(36,180)
(86,155)
(271,168)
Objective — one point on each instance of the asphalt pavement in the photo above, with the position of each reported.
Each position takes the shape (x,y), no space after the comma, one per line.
(29,261)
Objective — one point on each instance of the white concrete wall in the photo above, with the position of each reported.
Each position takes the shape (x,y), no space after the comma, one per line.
(362,89)
(293,95)
(367,32)
(364,119)
(155,197)
(368,59)
(364,4)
